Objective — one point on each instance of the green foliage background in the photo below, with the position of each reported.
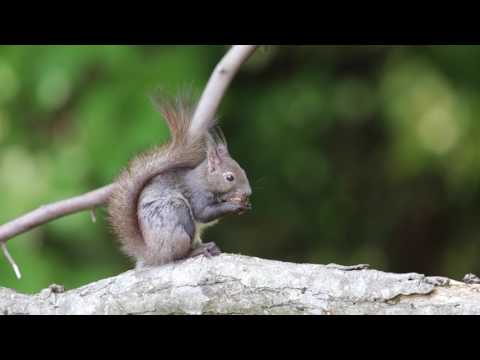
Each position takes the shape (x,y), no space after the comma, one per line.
(356,154)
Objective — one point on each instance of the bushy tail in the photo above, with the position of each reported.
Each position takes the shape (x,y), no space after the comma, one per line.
(180,151)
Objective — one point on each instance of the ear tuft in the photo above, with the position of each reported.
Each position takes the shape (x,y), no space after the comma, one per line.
(217,136)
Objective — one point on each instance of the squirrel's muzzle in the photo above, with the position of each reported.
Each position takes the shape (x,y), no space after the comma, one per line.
(243,200)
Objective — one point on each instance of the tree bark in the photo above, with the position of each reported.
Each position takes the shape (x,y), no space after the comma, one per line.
(233,284)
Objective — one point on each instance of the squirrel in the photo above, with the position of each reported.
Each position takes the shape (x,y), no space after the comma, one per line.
(167,196)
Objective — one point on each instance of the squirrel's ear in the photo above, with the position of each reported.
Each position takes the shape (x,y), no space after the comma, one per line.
(217,139)
(214,159)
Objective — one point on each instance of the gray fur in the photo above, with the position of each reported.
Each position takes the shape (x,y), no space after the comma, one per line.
(166,221)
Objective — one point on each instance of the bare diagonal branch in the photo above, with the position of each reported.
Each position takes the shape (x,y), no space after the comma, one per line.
(217,86)
(54,211)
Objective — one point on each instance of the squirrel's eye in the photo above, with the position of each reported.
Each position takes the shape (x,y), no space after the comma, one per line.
(229,177)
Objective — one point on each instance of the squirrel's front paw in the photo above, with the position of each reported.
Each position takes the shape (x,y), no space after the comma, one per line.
(208,250)
(241,207)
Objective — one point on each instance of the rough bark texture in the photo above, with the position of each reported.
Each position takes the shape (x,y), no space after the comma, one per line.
(232,284)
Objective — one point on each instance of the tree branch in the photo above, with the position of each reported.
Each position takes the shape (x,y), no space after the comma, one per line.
(217,86)
(54,211)
(232,284)
(207,106)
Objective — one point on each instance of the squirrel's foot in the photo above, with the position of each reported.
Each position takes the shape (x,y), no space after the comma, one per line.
(208,250)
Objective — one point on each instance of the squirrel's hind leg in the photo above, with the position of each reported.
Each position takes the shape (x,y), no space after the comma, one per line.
(168,230)
(208,249)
